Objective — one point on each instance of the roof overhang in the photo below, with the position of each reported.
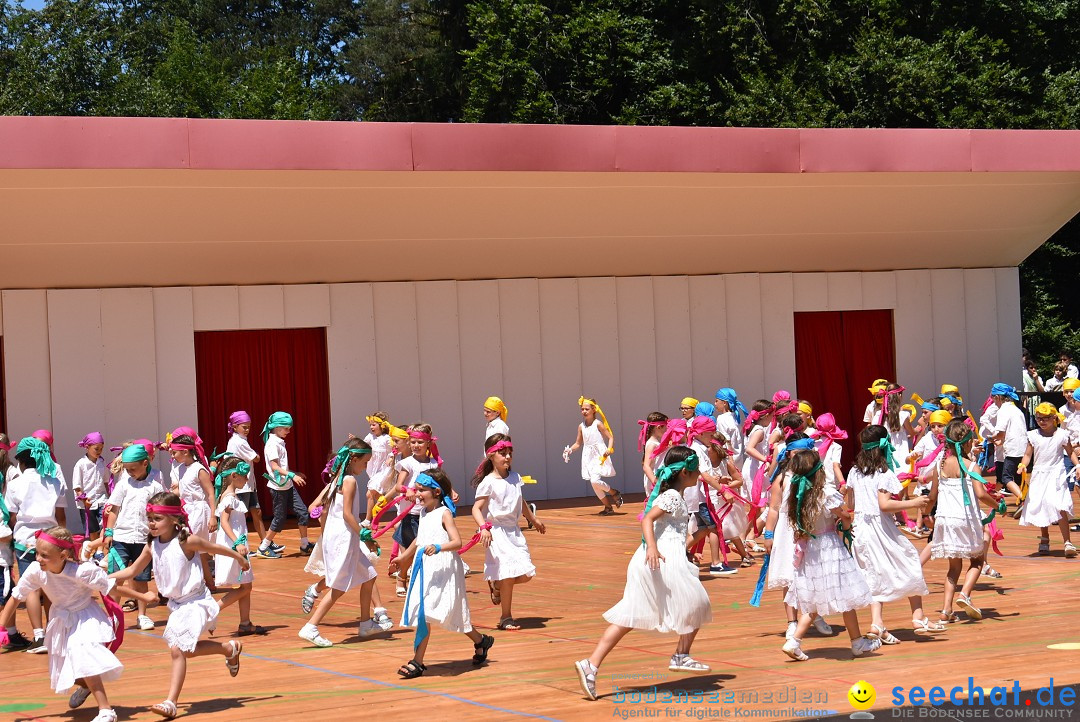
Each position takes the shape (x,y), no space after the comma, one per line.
(103,202)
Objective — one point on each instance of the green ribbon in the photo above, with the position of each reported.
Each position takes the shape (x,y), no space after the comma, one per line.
(664,473)
(39,452)
(966,473)
(275,479)
(803,484)
(366,536)
(214,456)
(887,445)
(845,532)
(4,513)
(240,541)
(277,419)
(999,509)
(241,469)
(116,562)
(340,461)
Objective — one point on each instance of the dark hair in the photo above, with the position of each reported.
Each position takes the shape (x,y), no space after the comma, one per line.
(5,462)
(871,461)
(167,498)
(25,458)
(675,455)
(184,440)
(761,405)
(1066,353)
(782,466)
(720,448)
(806,515)
(956,430)
(793,422)
(893,417)
(440,478)
(487,466)
(353,443)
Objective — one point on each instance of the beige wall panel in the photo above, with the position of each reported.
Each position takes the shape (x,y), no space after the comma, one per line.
(350,352)
(637,370)
(980,318)
(950,328)
(174,346)
(560,339)
(810,291)
(27,379)
(482,360)
(131,370)
(708,338)
(778,330)
(396,351)
(845,291)
(674,359)
(1008,320)
(262,307)
(914,331)
(307,306)
(746,357)
(216,308)
(600,359)
(878,290)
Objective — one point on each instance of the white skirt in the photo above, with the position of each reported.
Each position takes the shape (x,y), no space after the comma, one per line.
(827,580)
(782,557)
(189,620)
(508,556)
(314,563)
(198,513)
(889,563)
(346,565)
(958,532)
(444,593)
(76,643)
(1048,495)
(735,522)
(668,599)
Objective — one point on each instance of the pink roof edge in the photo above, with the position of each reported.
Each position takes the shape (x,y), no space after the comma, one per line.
(182,143)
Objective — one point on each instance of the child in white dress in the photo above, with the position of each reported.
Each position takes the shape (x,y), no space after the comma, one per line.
(956,489)
(888,562)
(232,533)
(729,503)
(380,465)
(346,565)
(177,571)
(756,450)
(730,414)
(437,580)
(825,579)
(597,444)
(662,592)
(194,484)
(652,430)
(1049,500)
(497,507)
(80,637)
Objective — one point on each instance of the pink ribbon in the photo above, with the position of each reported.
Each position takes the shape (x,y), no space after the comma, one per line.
(475,538)
(996,535)
(498,446)
(700,425)
(643,435)
(434,447)
(827,432)
(752,417)
(46,436)
(197,447)
(177,511)
(885,403)
(923,463)
(673,434)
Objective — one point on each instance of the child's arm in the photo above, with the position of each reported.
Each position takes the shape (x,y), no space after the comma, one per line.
(646,466)
(526,511)
(1028,453)
(752,442)
(479,511)
(653,557)
(133,569)
(196,544)
(403,559)
(890,505)
(578,441)
(932,479)
(838,474)
(773,515)
(348,489)
(207,484)
(736,475)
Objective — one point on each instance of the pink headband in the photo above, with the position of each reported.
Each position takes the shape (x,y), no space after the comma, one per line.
(59,543)
(781,395)
(700,425)
(46,436)
(236,418)
(503,444)
(197,447)
(170,511)
(676,431)
(424,436)
(643,436)
(885,402)
(827,431)
(754,416)
(94,437)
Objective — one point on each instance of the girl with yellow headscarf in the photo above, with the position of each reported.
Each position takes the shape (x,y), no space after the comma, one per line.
(596,442)
(1049,500)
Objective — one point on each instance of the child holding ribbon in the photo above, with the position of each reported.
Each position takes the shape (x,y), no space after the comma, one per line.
(596,441)
(728,505)
(174,552)
(346,565)
(88,483)
(437,579)
(756,450)
(81,637)
(239,428)
(495,414)
(1049,500)
(232,533)
(662,592)
(872,414)
(192,482)
(424,456)
(824,579)
(497,507)
(380,464)
(282,479)
(652,430)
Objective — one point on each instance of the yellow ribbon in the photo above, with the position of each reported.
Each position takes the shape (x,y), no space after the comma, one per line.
(603,420)
(529,480)
(494,403)
(397,433)
(381,422)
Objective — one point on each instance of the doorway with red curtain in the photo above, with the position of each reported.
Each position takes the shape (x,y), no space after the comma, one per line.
(262,372)
(838,354)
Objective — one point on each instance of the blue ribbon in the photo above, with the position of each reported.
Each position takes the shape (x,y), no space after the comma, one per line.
(1000,389)
(728,394)
(755,600)
(704,408)
(798,445)
(416,579)
(426,480)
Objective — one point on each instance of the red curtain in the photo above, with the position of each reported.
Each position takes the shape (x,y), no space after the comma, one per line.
(837,355)
(262,372)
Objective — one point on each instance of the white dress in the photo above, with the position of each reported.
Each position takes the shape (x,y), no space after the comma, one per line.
(192,609)
(345,563)
(190,491)
(1048,487)
(593,448)
(751,465)
(958,532)
(508,555)
(826,580)
(227,570)
(782,557)
(671,598)
(729,426)
(900,440)
(888,561)
(441,581)
(78,628)
(380,468)
(655,463)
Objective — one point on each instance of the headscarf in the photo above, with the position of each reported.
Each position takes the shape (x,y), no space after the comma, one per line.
(94,437)
(133,453)
(704,408)
(423,436)
(603,419)
(674,434)
(494,403)
(878,386)
(689,401)
(941,416)
(196,447)
(1048,409)
(46,436)
(806,408)
(396,432)
(386,425)
(1070,385)
(1003,389)
(278,418)
(699,425)
(39,452)
(235,419)
(827,432)
(241,469)
(737,407)
(426,480)
(950,390)
(1076,395)
(341,459)
(806,444)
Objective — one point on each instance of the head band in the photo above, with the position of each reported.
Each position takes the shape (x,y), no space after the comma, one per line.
(752,418)
(424,436)
(728,395)
(1048,409)
(797,445)
(59,543)
(884,443)
(376,420)
(397,433)
(827,432)
(39,452)
(241,469)
(94,437)
(277,419)
(1002,389)
(133,453)
(494,403)
(689,401)
(426,481)
(941,416)
(674,433)
(646,430)
(235,419)
(196,447)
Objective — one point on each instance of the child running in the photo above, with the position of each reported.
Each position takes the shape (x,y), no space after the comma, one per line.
(231,479)
(596,441)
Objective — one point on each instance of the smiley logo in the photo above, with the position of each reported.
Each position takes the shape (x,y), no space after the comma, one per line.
(862,695)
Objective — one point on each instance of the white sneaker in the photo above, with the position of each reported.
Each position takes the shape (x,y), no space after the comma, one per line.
(311,633)
(310,595)
(793,649)
(822,627)
(382,619)
(789,633)
(105,715)
(369,627)
(862,646)
(145,623)
(78,697)
(686,663)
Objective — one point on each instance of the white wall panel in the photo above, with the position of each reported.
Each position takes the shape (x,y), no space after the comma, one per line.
(914,330)
(778,331)
(845,292)
(307,306)
(950,328)
(980,319)
(810,291)
(27,379)
(523,381)
(560,334)
(350,351)
(708,340)
(395,351)
(262,307)
(637,370)
(481,357)
(131,369)
(216,308)
(674,357)
(599,343)
(1008,321)
(878,290)
(746,355)
(174,347)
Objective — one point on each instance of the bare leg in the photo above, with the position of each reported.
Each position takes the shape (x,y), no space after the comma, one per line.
(851,621)
(951,579)
(1063,524)
(240,594)
(685,642)
(974,571)
(876,616)
(803,624)
(179,667)
(740,548)
(611,636)
(365,599)
(33,609)
(418,654)
(325,605)
(916,608)
(96,688)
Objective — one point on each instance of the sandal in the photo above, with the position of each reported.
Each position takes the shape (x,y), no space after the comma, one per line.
(402,592)
(496,595)
(246,630)
(948,617)
(130,606)
(925,626)
(233,660)
(411,669)
(989,571)
(747,562)
(482,647)
(508,624)
(1044,545)
(1070,550)
(882,634)
(969,609)
(166,709)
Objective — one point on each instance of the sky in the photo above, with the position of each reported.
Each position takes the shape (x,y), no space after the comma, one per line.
(34,4)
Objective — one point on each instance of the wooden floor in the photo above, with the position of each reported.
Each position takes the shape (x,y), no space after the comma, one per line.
(582,565)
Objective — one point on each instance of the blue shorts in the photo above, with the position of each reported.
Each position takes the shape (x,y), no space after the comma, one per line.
(704,518)
(95,520)
(129,552)
(405,534)
(23,559)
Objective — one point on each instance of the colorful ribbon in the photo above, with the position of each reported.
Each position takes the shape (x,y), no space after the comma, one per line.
(603,419)
(475,539)
(235,419)
(277,419)
(416,581)
(424,436)
(759,588)
(645,432)
(884,443)
(728,395)
(827,432)
(802,486)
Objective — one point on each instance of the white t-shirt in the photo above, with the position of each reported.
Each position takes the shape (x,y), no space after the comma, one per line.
(275,451)
(7,556)
(1010,419)
(870,415)
(504,498)
(1054,384)
(129,499)
(727,425)
(241,449)
(1072,373)
(33,499)
(413,467)
(90,477)
(496,426)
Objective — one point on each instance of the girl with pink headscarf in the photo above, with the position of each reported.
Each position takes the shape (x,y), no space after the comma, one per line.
(88,483)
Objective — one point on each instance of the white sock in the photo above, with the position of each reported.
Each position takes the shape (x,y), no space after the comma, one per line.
(379,610)
(39,634)
(303,539)
(265,544)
